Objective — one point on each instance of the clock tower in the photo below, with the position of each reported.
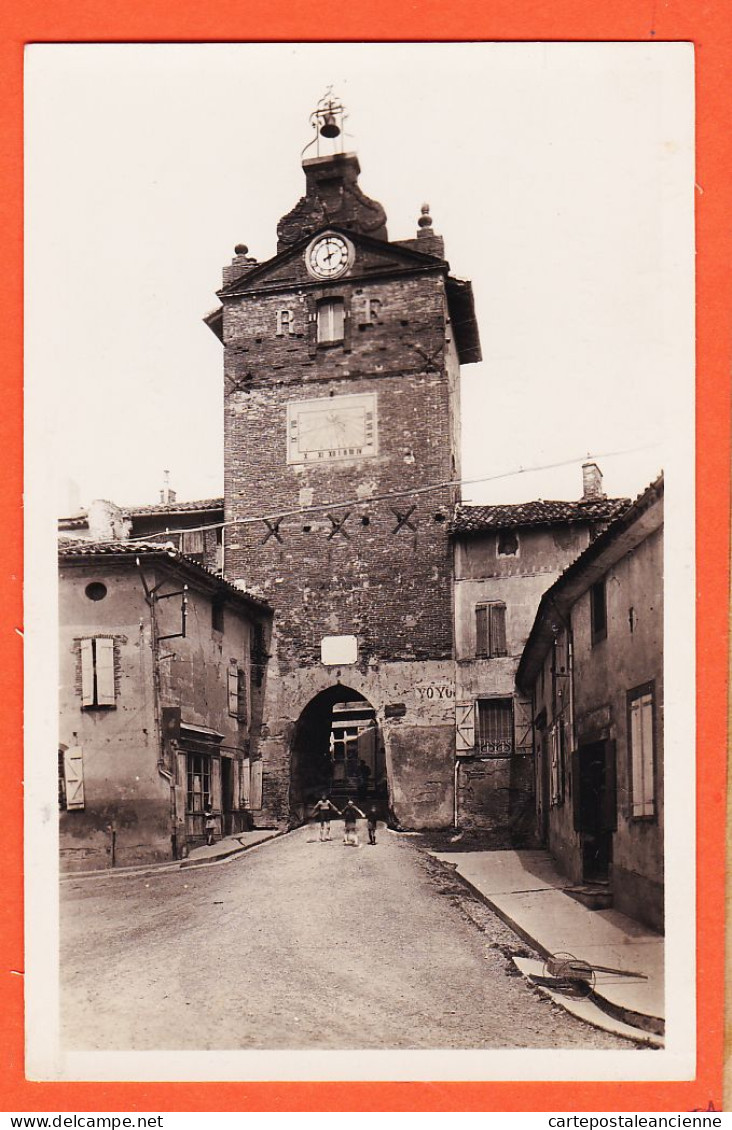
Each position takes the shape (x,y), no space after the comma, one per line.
(342,359)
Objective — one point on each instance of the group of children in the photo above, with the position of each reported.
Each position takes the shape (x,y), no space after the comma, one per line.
(350,813)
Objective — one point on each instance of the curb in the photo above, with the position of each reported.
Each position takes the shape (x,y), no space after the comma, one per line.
(229,854)
(143,869)
(643,1023)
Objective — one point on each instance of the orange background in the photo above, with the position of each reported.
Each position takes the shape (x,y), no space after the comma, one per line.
(709,27)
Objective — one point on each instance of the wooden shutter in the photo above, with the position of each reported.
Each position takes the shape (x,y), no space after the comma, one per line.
(233,690)
(245,792)
(641,744)
(215,795)
(105,671)
(464,727)
(87,672)
(74,775)
(255,787)
(523,725)
(481,630)
(497,645)
(192,541)
(241,706)
(648,755)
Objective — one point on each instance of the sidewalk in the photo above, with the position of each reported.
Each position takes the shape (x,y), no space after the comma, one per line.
(222,849)
(527,890)
(229,845)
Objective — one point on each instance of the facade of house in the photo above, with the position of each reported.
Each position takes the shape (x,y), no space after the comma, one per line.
(162,675)
(505,558)
(342,356)
(593,668)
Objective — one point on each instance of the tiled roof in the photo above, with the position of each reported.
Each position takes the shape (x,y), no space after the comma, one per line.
(173,507)
(80,522)
(475,519)
(71,548)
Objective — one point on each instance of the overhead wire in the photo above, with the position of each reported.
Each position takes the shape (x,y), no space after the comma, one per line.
(278,515)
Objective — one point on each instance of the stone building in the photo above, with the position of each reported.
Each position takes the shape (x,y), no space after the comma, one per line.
(593,668)
(195,528)
(505,557)
(162,676)
(342,357)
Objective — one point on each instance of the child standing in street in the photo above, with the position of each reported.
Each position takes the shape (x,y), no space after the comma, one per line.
(371,821)
(322,811)
(209,825)
(349,814)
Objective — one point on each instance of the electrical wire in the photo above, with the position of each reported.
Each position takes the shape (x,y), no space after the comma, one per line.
(339,504)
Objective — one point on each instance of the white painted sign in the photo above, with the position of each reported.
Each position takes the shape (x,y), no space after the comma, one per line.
(338,651)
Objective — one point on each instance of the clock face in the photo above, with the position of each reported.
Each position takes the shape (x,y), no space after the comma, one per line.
(341,427)
(328,256)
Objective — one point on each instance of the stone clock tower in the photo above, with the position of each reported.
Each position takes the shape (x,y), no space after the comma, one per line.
(342,358)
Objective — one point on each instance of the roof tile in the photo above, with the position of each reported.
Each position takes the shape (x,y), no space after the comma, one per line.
(469,519)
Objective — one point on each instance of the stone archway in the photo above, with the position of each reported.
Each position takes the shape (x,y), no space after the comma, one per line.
(337,749)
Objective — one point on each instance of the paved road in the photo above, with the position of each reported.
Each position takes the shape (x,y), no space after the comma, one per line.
(298,944)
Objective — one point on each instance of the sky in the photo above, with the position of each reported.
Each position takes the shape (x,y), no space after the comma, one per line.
(559,175)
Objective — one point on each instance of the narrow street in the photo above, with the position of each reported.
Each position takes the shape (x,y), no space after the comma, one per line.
(298,944)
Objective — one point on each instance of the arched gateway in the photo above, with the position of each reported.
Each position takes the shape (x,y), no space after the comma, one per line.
(337,748)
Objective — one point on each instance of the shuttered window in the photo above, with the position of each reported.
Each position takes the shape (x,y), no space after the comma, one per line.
(331,319)
(97,672)
(490,630)
(495,726)
(641,743)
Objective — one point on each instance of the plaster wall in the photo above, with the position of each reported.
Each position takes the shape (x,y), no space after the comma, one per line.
(122,785)
(496,793)
(604,673)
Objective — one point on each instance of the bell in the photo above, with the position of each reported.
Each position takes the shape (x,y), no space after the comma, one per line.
(330,127)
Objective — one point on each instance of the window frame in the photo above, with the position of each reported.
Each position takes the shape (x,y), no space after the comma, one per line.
(511,532)
(98,672)
(491,650)
(481,744)
(598,631)
(637,694)
(199,764)
(330,302)
(217,615)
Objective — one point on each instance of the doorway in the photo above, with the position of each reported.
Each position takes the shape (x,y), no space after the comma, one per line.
(337,750)
(227,795)
(595,808)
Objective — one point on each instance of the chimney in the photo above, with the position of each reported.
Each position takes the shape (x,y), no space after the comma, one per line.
(167,495)
(592,483)
(107,521)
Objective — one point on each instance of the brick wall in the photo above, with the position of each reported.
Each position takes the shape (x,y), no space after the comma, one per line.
(389,587)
